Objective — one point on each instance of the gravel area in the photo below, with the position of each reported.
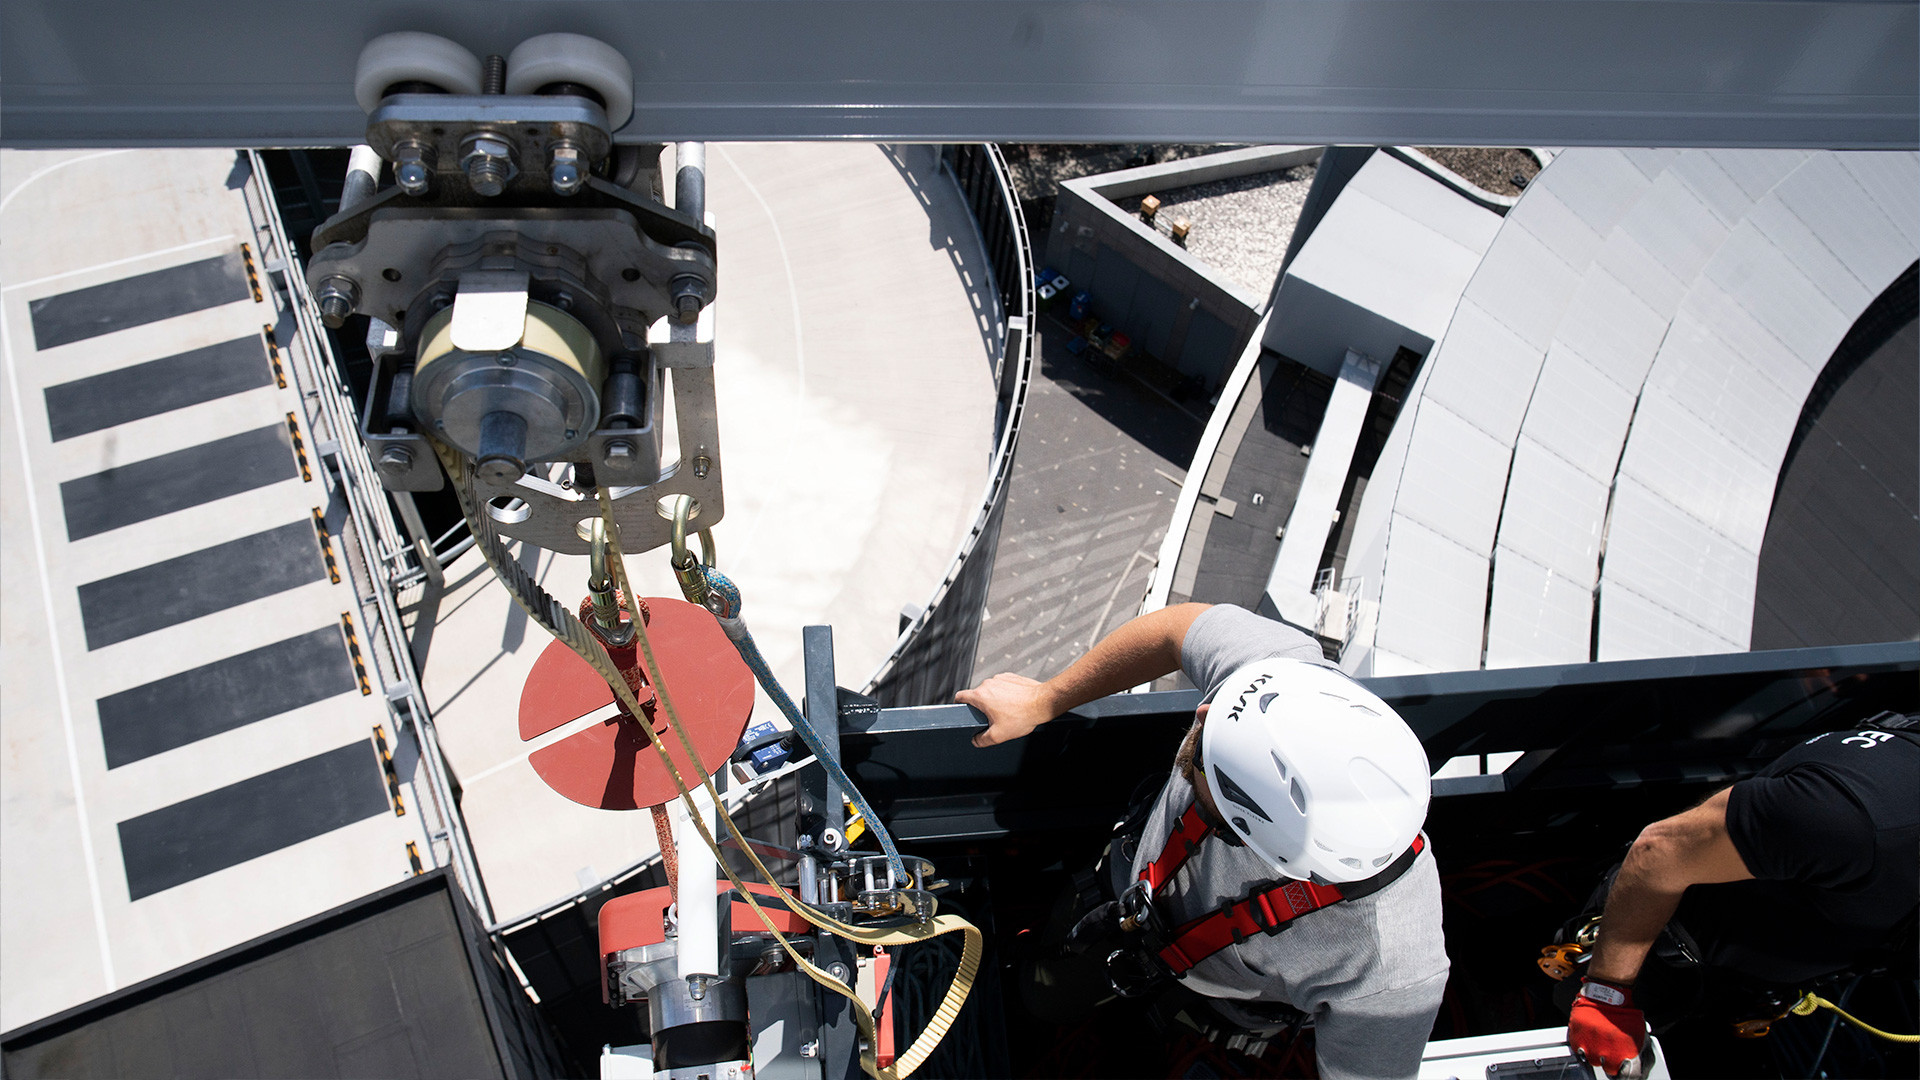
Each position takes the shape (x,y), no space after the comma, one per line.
(1489,168)
(1038,168)
(1241,225)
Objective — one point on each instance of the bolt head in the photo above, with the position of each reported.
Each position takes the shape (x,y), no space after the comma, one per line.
(413,177)
(500,470)
(701,466)
(619,451)
(488,162)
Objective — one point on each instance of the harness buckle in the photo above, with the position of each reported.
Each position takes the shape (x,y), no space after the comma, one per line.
(1136,908)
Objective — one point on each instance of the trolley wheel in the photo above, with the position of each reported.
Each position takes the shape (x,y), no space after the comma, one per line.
(411,56)
(574,58)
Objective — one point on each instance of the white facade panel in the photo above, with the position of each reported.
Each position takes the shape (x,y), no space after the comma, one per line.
(1891,180)
(1555,514)
(1713,311)
(1668,555)
(1781,298)
(1675,226)
(1671,450)
(1597,183)
(1433,608)
(1632,265)
(1717,191)
(1524,285)
(1633,627)
(1537,616)
(1613,327)
(1650,160)
(1731,394)
(1290,583)
(1757,171)
(1455,478)
(1557,227)
(1484,372)
(1827,197)
(1809,252)
(1579,413)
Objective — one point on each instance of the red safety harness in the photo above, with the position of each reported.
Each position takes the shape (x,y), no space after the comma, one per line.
(1270,908)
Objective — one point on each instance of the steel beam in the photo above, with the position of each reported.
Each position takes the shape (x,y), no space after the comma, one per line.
(1811,73)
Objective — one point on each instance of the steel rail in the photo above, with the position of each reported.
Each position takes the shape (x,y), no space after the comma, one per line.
(367,506)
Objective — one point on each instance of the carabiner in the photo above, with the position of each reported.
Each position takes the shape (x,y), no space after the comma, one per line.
(693,582)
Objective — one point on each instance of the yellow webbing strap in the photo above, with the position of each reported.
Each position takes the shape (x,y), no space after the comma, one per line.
(1810,1002)
(563,625)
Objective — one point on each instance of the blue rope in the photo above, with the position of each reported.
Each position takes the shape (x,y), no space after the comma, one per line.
(727,609)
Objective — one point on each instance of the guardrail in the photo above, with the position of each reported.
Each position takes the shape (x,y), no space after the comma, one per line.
(330,416)
(933,656)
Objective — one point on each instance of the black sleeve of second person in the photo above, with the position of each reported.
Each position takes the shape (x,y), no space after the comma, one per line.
(1800,826)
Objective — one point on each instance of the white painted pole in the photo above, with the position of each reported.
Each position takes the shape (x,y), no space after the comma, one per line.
(699,946)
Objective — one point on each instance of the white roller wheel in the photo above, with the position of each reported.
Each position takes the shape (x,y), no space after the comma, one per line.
(574,58)
(411,56)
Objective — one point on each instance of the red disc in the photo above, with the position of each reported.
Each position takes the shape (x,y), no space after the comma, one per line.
(611,764)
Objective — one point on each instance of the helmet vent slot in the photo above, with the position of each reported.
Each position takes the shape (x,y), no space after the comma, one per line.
(1265,700)
(1354,863)
(1299,795)
(1238,795)
(1383,860)
(1279,764)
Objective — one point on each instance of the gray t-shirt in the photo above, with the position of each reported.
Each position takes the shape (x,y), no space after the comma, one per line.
(1369,971)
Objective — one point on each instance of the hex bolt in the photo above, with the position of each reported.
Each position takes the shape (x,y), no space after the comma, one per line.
(838,970)
(568,169)
(688,298)
(701,466)
(487,159)
(395,460)
(493,74)
(337,297)
(413,167)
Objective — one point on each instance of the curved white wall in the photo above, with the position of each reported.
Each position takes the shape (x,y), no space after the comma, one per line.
(1606,416)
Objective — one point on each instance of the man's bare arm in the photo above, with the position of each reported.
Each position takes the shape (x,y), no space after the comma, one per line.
(1144,649)
(1690,848)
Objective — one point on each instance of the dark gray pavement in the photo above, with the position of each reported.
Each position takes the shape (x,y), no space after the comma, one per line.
(1100,463)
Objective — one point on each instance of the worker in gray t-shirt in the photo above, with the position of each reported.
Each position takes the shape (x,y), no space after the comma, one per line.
(1282,861)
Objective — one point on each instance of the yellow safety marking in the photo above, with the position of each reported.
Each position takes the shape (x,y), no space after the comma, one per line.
(326,545)
(413,857)
(299,448)
(253,276)
(353,651)
(273,356)
(386,766)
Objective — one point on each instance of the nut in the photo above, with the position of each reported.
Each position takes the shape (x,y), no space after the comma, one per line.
(487,159)
(689,296)
(395,459)
(336,298)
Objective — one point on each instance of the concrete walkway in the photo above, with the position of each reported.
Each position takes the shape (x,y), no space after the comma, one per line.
(856,411)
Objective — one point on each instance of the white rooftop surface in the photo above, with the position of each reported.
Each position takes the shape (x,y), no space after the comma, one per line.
(1399,244)
(856,411)
(1619,383)
(69,927)
(1290,585)
(855,405)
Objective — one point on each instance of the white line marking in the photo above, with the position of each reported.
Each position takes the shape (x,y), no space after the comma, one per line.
(779,241)
(119,262)
(53,644)
(28,182)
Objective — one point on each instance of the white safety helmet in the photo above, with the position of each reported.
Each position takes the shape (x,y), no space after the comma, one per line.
(1316,774)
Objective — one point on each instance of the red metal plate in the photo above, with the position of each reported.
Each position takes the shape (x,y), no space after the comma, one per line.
(612,765)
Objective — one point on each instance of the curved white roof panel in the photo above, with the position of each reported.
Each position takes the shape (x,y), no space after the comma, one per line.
(1605,419)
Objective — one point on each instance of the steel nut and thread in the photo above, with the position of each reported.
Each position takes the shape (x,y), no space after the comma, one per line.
(487,159)
(396,460)
(337,297)
(688,297)
(568,171)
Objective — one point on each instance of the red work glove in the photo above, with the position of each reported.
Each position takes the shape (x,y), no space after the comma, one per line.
(1605,1029)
